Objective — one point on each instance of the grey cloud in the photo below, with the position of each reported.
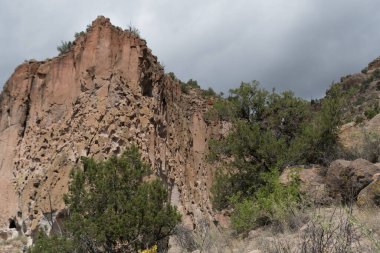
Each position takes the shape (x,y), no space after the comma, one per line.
(301,45)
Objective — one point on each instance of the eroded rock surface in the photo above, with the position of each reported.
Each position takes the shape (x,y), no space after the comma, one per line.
(106,93)
(346,179)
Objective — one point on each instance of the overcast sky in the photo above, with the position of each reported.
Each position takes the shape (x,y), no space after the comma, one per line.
(302,45)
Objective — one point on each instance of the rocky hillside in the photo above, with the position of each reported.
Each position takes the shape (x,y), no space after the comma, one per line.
(107,92)
(362,92)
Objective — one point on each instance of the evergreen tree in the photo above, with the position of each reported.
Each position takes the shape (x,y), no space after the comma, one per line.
(114,208)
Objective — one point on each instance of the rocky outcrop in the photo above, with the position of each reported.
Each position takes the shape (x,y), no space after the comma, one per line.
(342,181)
(106,93)
(312,182)
(346,179)
(370,195)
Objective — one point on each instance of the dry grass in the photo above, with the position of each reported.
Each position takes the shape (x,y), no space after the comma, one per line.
(330,229)
(316,230)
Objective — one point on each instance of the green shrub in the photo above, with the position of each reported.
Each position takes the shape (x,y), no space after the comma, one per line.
(245,215)
(184,88)
(268,130)
(191,84)
(318,141)
(221,189)
(52,244)
(64,47)
(370,113)
(172,76)
(77,35)
(111,205)
(133,30)
(272,203)
(209,93)
(223,109)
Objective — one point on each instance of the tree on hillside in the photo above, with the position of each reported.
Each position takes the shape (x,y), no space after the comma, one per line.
(114,209)
(264,126)
(269,131)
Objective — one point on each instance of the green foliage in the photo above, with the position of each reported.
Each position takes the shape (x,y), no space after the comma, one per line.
(52,244)
(253,151)
(111,205)
(223,109)
(371,112)
(221,189)
(77,35)
(209,93)
(191,84)
(64,47)
(272,203)
(318,142)
(133,30)
(172,76)
(269,130)
(265,128)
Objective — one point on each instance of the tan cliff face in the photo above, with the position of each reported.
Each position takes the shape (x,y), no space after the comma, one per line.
(106,93)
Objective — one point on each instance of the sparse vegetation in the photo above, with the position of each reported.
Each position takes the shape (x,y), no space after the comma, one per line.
(64,47)
(359,119)
(77,35)
(133,30)
(191,84)
(332,229)
(209,93)
(371,112)
(172,76)
(369,149)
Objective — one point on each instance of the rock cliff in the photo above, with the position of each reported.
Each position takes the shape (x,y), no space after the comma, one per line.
(107,92)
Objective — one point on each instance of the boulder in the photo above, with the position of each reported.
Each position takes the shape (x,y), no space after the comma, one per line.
(370,195)
(345,179)
(312,182)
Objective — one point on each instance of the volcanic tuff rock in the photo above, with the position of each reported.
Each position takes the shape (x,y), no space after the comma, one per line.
(106,93)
